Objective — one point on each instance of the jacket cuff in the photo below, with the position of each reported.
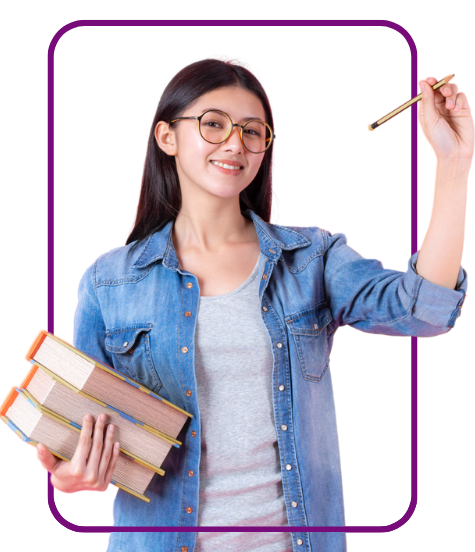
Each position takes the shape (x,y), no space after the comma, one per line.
(432,303)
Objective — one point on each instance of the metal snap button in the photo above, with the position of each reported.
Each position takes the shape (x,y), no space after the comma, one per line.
(281,387)
(189,285)
(184,349)
(125,344)
(299,541)
(294,504)
(279,345)
(264,309)
(288,467)
(283,427)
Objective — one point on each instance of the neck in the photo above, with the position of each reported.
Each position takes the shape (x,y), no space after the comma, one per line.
(211,226)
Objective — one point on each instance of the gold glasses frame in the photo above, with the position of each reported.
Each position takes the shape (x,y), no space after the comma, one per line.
(241,128)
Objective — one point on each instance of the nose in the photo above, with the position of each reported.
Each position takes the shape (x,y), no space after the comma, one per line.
(234,140)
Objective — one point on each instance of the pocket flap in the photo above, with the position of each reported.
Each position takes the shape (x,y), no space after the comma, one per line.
(309,321)
(120,340)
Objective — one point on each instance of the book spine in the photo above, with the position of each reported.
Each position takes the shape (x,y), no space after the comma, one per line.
(145,498)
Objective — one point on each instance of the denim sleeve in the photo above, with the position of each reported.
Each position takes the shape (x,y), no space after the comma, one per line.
(363,294)
(89,328)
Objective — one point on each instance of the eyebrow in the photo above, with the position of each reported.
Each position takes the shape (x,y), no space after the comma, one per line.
(243,119)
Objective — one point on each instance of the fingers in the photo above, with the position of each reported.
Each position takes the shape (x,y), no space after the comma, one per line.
(93,462)
(82,450)
(447,96)
(97,444)
(103,456)
(47,460)
(455,102)
(107,449)
(110,453)
(431,80)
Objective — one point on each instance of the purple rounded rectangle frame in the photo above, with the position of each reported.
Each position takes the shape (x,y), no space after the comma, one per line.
(414,247)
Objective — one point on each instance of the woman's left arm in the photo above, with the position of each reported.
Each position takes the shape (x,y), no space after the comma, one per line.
(446,120)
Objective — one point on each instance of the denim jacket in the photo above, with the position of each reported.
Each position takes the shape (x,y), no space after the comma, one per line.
(131,315)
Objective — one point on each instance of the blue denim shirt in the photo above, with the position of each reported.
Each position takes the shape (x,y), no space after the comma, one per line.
(131,315)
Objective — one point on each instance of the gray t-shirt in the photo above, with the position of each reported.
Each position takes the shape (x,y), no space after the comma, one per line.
(240,477)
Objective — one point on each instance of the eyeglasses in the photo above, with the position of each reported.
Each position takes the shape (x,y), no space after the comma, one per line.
(216,127)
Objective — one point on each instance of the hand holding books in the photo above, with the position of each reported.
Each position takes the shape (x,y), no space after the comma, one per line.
(56,404)
(91,466)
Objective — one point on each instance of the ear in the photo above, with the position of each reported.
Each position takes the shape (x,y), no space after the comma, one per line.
(166,138)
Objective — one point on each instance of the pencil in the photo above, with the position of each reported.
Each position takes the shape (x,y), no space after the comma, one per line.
(404,106)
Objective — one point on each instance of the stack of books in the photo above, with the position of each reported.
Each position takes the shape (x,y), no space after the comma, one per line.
(64,385)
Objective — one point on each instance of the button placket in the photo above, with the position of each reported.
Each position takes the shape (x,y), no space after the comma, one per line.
(191,473)
(284,427)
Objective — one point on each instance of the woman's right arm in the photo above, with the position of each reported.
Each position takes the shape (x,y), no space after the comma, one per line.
(92,464)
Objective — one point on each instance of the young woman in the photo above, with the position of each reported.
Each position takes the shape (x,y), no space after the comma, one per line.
(233,318)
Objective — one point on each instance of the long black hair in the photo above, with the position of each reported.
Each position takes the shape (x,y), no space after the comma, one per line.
(160,195)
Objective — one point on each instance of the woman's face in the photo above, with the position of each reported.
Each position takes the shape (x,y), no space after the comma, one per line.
(196,159)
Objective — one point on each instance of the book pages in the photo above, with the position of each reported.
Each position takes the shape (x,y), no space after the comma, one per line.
(64,362)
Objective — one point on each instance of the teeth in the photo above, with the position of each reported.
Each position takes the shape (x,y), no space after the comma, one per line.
(225,166)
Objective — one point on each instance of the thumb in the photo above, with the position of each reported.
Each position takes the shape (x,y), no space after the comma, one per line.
(427,96)
(424,88)
(428,113)
(47,460)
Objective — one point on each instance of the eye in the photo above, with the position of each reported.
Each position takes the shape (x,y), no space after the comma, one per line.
(212,124)
(251,132)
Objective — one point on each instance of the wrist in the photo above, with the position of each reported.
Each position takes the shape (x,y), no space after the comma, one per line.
(457,164)
(453,170)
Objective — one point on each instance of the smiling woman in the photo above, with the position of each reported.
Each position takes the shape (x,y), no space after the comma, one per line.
(240,317)
(212,177)
(192,92)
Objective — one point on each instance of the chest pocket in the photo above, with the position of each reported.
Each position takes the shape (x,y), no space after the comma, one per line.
(131,350)
(308,340)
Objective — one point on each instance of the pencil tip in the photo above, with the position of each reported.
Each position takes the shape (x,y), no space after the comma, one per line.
(449,77)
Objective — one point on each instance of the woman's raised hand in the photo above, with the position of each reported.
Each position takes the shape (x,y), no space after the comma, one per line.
(447,122)
(92,465)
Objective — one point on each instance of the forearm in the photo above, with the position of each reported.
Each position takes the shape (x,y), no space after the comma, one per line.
(440,256)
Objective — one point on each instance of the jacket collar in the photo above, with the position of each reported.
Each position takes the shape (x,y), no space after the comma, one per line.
(272,240)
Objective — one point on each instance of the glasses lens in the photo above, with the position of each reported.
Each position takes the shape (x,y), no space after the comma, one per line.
(256,136)
(215,127)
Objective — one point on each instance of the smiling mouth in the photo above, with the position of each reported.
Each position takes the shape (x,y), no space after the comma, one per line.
(225,166)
